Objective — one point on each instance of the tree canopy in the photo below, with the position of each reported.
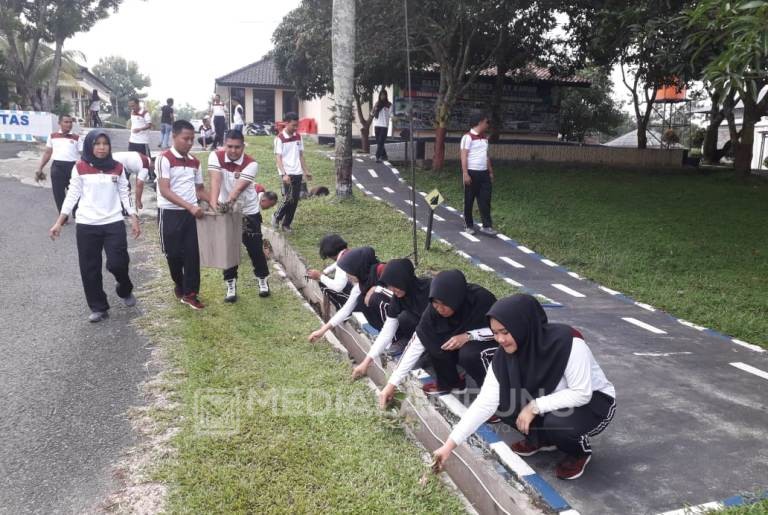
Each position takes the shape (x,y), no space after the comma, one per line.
(124,79)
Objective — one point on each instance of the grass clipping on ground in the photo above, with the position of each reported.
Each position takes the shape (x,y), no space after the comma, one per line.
(271,423)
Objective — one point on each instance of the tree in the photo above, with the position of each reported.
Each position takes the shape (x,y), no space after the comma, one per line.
(343,52)
(22,44)
(124,79)
(65,19)
(584,110)
(187,112)
(741,27)
(302,52)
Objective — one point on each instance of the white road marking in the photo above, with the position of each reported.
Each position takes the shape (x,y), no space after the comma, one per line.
(511,262)
(423,194)
(525,249)
(372,172)
(469,237)
(549,263)
(691,324)
(439,218)
(512,460)
(647,327)
(576,276)
(446,242)
(750,369)
(410,203)
(747,345)
(503,238)
(358,160)
(367,192)
(388,189)
(359,185)
(485,267)
(387,163)
(661,354)
(569,291)
(449,208)
(512,282)
(464,254)
(395,171)
(647,307)
(696,510)
(608,290)
(377,197)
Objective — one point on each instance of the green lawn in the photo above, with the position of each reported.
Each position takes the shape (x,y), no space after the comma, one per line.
(304,438)
(760,508)
(693,244)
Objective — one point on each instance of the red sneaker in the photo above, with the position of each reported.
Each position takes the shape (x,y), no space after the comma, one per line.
(178,292)
(526,448)
(433,389)
(192,301)
(572,467)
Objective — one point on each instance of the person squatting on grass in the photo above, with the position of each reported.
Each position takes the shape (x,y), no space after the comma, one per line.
(289,155)
(332,246)
(98,183)
(545,382)
(363,270)
(207,135)
(180,188)
(453,330)
(407,298)
(477,173)
(64,147)
(232,174)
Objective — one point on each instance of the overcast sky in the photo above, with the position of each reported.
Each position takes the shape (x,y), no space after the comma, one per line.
(182,45)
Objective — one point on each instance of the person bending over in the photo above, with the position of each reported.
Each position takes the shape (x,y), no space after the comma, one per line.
(545,382)
(332,246)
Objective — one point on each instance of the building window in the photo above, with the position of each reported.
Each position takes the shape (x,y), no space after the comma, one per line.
(290,103)
(239,95)
(263,105)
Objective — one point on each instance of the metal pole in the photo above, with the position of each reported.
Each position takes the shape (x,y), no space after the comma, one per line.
(410,127)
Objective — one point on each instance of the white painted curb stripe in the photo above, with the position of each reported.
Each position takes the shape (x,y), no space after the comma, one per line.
(511,460)
(692,325)
(503,238)
(395,171)
(511,262)
(485,267)
(373,173)
(696,510)
(647,327)
(359,185)
(388,189)
(525,249)
(439,218)
(512,282)
(469,237)
(463,254)
(747,345)
(569,291)
(576,276)
(608,290)
(549,263)
(358,160)
(377,197)
(449,208)
(750,369)
(423,194)
(647,307)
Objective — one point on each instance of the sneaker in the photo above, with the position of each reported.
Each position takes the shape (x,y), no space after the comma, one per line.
(470,230)
(98,316)
(433,389)
(263,287)
(130,300)
(231,295)
(526,448)
(572,467)
(192,301)
(489,231)
(178,292)
(274,220)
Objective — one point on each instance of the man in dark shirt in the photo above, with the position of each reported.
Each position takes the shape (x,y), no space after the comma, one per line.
(166,124)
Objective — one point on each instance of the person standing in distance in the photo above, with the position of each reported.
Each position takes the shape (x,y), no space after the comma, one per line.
(166,124)
(100,187)
(289,155)
(238,117)
(477,173)
(381,114)
(180,187)
(141,124)
(94,109)
(64,147)
(219,115)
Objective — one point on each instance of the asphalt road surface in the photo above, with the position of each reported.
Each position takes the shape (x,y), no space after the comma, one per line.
(65,384)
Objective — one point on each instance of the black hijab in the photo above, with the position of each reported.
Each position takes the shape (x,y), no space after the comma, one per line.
(401,274)
(543,349)
(360,262)
(469,302)
(105,163)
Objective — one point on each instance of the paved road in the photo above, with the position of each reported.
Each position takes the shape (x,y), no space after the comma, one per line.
(65,384)
(690,427)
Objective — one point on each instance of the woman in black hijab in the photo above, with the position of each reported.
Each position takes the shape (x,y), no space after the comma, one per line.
(363,270)
(453,330)
(100,189)
(406,297)
(545,382)
(337,289)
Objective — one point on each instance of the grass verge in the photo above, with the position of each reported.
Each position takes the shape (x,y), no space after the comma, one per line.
(693,244)
(269,422)
(759,508)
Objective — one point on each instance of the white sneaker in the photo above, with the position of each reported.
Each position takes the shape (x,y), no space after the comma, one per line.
(263,287)
(469,230)
(231,290)
(488,231)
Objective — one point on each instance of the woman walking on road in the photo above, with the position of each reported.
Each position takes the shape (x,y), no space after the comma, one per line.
(99,185)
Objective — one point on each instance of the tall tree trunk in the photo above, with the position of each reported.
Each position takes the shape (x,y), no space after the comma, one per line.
(743,145)
(443,109)
(54,80)
(495,106)
(343,54)
(716,117)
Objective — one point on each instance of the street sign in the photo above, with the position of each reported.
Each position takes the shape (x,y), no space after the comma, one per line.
(434,199)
